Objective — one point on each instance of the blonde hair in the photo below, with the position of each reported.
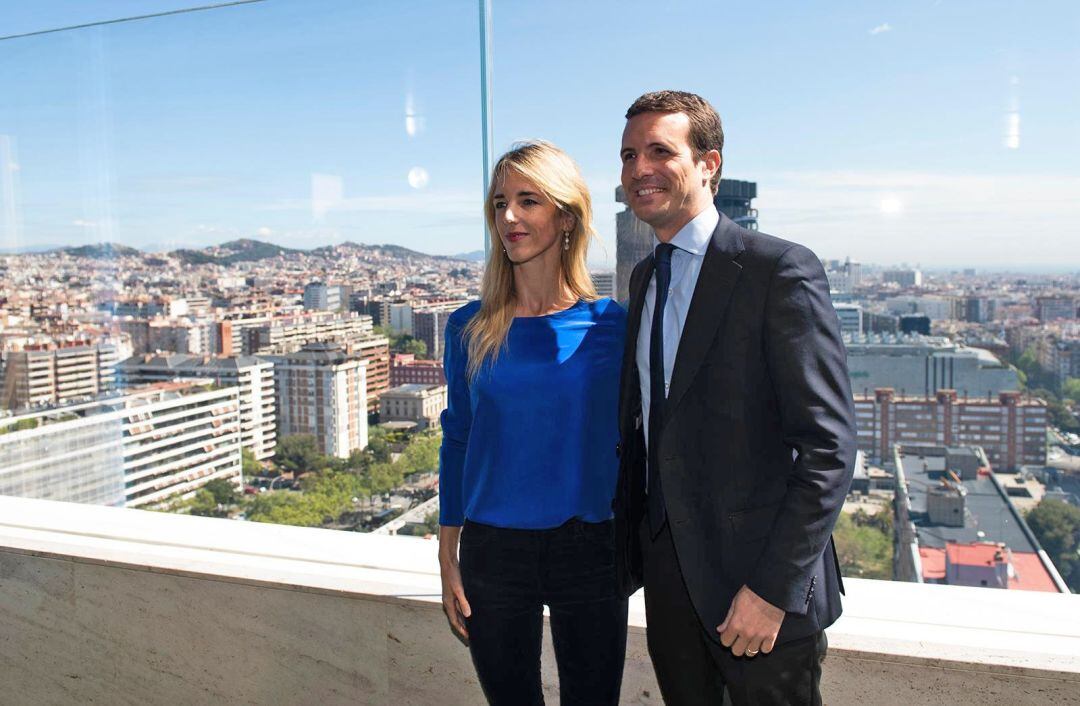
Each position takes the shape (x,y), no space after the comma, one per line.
(557,177)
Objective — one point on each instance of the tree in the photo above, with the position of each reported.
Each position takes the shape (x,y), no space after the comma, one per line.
(223,491)
(1056,524)
(325,498)
(1029,362)
(378,445)
(865,551)
(299,453)
(285,508)
(250,464)
(205,505)
(1071,390)
(421,455)
(1032,375)
(414,346)
(213,499)
(384,477)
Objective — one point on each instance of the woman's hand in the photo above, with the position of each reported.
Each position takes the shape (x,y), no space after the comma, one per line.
(454,602)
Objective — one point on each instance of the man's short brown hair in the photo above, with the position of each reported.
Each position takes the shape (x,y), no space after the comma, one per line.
(706,133)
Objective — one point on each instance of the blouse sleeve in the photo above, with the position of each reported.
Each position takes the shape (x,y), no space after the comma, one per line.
(456,422)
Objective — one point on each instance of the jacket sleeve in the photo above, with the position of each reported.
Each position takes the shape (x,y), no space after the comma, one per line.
(807,363)
(456,422)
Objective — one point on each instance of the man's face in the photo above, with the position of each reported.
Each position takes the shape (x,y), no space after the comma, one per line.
(665,186)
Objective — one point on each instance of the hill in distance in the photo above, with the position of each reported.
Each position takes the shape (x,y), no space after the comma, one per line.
(251,250)
(99,251)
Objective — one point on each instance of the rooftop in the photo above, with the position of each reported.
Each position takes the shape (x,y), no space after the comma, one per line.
(189,361)
(988,514)
(412,388)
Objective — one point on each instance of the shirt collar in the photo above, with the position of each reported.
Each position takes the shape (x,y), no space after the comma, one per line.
(694,237)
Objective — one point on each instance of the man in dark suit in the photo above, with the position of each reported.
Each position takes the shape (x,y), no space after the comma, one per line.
(737,426)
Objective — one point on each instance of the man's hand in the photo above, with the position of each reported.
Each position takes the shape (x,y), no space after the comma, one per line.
(454,603)
(751,625)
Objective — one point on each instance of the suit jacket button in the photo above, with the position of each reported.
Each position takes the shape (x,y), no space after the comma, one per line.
(618,450)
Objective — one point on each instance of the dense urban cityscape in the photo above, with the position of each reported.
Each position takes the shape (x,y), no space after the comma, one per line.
(305,387)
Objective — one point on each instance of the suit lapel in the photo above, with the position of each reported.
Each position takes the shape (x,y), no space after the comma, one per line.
(712,293)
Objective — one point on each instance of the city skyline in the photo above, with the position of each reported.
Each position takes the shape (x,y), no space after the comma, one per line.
(930,134)
(1047,269)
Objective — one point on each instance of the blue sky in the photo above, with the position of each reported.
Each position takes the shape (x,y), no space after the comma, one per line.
(932,132)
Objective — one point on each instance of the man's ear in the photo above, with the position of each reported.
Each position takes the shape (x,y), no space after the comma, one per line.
(713,162)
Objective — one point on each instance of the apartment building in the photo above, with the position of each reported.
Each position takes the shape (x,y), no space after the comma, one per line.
(321,390)
(253,376)
(1010,428)
(147,447)
(405,369)
(57,371)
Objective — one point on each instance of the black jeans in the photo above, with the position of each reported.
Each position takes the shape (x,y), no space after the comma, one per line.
(509,575)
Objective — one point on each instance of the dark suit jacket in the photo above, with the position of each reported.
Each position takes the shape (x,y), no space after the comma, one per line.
(758,444)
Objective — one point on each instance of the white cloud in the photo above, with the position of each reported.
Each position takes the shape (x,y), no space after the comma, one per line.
(83,224)
(884,27)
(264,232)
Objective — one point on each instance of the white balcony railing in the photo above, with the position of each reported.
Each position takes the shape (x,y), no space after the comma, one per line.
(105,605)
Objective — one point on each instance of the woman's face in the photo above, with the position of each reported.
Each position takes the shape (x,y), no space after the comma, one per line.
(529,224)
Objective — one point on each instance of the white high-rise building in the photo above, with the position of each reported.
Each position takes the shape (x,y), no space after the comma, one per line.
(147,447)
(321,391)
(254,376)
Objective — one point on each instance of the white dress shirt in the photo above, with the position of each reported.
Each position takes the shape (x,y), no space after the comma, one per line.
(691,243)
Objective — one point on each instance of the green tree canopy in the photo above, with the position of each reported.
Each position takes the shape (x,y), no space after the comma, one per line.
(1056,524)
(223,491)
(251,465)
(422,454)
(324,498)
(378,444)
(299,453)
(865,551)
(285,508)
(203,504)
(1071,390)
(414,346)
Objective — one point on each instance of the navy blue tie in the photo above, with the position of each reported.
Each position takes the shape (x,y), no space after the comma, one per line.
(657,388)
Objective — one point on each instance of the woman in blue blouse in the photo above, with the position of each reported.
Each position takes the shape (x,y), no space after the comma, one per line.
(528,465)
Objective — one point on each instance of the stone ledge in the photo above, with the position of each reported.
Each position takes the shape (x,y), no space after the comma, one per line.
(959,638)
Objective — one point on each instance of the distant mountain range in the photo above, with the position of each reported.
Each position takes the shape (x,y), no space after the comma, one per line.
(99,251)
(242,250)
(474,256)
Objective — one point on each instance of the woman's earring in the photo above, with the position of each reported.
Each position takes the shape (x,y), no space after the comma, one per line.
(566,240)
